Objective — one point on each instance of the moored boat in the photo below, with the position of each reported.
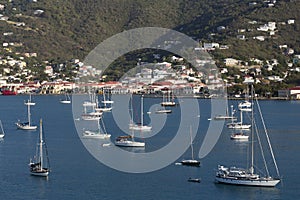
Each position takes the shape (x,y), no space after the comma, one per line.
(39,166)
(248,176)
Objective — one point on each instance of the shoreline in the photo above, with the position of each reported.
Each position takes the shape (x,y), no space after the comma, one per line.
(176,96)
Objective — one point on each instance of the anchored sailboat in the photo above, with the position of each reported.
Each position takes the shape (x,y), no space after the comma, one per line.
(26,125)
(167,101)
(192,161)
(239,125)
(97,134)
(227,116)
(240,176)
(141,126)
(39,166)
(92,104)
(106,102)
(67,99)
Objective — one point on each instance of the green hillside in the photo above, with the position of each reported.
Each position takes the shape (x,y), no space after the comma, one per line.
(71,28)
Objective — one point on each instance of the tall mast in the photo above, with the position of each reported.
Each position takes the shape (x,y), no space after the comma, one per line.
(28,113)
(252,132)
(41,144)
(232,112)
(142,111)
(191,142)
(131,109)
(241,117)
(104,99)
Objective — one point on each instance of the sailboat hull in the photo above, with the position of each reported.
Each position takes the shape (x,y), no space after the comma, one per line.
(193,163)
(103,109)
(96,135)
(168,103)
(130,144)
(140,128)
(65,101)
(261,182)
(44,172)
(25,127)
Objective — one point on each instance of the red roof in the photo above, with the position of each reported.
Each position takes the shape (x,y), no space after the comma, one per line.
(295,88)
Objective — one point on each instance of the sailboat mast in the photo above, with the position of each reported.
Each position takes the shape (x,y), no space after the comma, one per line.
(28,113)
(142,111)
(2,131)
(241,117)
(41,144)
(252,133)
(98,124)
(191,142)
(104,99)
(232,112)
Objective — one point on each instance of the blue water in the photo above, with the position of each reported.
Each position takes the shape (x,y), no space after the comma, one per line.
(78,175)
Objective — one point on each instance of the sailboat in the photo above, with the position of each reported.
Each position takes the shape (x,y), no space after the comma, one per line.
(26,125)
(191,162)
(227,116)
(67,99)
(128,141)
(29,101)
(239,136)
(245,106)
(39,166)
(239,125)
(105,102)
(163,111)
(2,134)
(93,114)
(141,126)
(248,177)
(167,101)
(97,134)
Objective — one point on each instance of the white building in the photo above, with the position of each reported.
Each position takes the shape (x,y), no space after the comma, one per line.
(231,62)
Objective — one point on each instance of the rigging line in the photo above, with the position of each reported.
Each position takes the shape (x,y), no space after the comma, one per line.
(102,121)
(261,149)
(268,139)
(48,161)
(46,148)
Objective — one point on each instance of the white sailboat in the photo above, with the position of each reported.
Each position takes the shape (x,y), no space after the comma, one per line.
(128,141)
(163,111)
(105,102)
(39,166)
(67,99)
(227,116)
(239,125)
(141,126)
(29,101)
(192,161)
(248,177)
(97,134)
(245,106)
(93,114)
(26,125)
(239,136)
(167,101)
(2,134)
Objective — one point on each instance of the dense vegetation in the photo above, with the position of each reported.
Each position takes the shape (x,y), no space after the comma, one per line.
(71,28)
